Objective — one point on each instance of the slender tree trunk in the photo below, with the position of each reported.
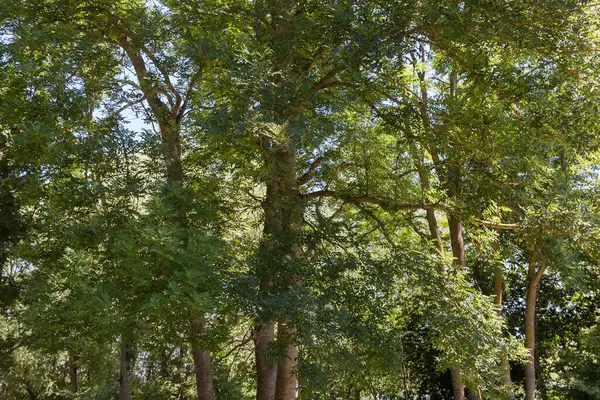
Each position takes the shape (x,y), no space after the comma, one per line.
(458,252)
(266,370)
(30,393)
(504,364)
(73,372)
(434,231)
(126,352)
(456,240)
(533,280)
(202,363)
(169,118)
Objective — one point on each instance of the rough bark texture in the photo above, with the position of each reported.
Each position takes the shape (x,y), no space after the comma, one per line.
(202,363)
(126,353)
(533,280)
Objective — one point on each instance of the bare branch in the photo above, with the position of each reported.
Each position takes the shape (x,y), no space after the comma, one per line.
(496,225)
(126,106)
(311,171)
(357,200)
(188,93)
(166,77)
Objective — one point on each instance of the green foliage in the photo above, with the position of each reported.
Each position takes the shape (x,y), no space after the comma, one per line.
(237,162)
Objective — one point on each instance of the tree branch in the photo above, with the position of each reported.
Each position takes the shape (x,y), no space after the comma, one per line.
(304,178)
(160,109)
(357,200)
(166,77)
(496,225)
(539,273)
(131,103)
(188,93)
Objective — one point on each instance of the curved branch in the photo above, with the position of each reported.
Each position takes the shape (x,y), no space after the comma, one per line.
(311,171)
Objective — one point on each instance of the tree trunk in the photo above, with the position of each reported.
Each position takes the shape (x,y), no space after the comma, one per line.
(266,370)
(202,363)
(456,240)
(169,119)
(471,395)
(125,379)
(458,252)
(73,372)
(287,380)
(533,280)
(30,393)
(504,364)
(283,215)
(458,388)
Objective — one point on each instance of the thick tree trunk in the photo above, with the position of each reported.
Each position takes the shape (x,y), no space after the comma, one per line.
(266,369)
(530,301)
(126,352)
(287,380)
(533,280)
(283,214)
(458,388)
(202,363)
(471,395)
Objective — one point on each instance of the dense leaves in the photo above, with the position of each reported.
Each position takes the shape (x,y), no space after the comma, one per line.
(372,199)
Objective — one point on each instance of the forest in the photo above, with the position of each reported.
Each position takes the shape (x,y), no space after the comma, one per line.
(299,199)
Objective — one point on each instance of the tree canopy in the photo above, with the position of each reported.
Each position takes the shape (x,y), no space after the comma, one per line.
(278,200)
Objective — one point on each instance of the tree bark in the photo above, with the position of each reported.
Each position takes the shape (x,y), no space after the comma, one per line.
(533,280)
(458,254)
(202,363)
(283,214)
(266,369)
(287,380)
(169,119)
(73,372)
(126,352)
(458,388)
(504,364)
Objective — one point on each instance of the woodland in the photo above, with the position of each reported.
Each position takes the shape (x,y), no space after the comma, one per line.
(299,199)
